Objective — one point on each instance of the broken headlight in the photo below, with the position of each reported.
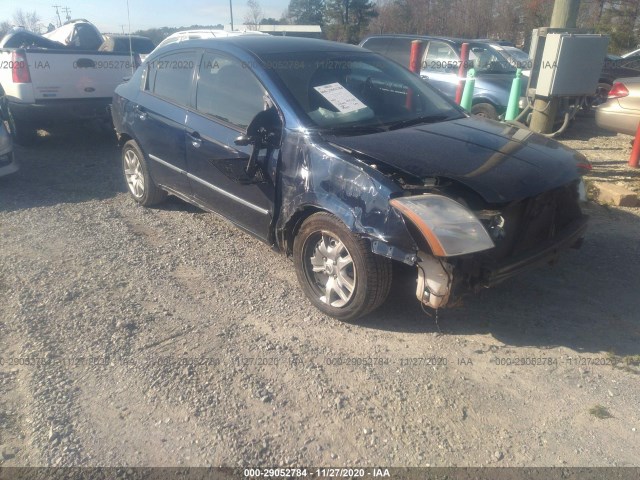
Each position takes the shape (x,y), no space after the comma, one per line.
(449,228)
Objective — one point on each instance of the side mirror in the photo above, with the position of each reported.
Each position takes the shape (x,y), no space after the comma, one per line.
(242,141)
(264,131)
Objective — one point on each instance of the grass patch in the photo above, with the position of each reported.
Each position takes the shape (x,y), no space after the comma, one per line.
(600,412)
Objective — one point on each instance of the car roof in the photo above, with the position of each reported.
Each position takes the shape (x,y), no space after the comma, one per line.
(213,32)
(260,45)
(631,53)
(425,37)
(123,35)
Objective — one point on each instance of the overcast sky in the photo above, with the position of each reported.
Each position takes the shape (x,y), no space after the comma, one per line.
(111,15)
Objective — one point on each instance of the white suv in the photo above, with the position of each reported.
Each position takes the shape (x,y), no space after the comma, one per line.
(183,35)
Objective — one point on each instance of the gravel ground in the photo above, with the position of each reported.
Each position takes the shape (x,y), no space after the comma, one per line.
(165,337)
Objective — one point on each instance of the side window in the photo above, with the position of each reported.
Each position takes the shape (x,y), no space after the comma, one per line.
(632,63)
(484,59)
(170,76)
(440,57)
(400,51)
(376,44)
(228,90)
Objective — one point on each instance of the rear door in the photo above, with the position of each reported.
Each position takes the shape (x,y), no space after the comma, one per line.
(228,96)
(159,117)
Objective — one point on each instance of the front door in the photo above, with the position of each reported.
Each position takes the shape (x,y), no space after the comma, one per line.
(228,96)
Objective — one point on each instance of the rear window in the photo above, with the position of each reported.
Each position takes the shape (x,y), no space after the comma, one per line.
(138,45)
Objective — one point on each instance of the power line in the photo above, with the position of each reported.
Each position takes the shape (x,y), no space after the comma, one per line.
(58,14)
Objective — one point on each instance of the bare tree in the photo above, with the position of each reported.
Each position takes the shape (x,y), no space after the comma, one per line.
(254,15)
(28,20)
(4,28)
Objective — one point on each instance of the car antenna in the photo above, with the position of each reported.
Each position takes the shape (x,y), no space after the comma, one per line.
(130,43)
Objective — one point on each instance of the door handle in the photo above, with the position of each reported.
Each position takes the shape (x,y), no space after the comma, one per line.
(195,139)
(142,115)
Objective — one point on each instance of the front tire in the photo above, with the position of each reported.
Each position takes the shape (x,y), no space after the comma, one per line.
(337,270)
(602,91)
(136,173)
(485,110)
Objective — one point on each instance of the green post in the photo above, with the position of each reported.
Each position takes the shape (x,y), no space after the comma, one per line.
(467,94)
(514,98)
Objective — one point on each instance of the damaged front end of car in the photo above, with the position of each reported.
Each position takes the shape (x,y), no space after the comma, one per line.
(457,240)
(475,249)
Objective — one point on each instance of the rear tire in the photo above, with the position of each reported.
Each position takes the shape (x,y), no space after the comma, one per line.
(24,133)
(485,110)
(337,270)
(139,181)
(602,91)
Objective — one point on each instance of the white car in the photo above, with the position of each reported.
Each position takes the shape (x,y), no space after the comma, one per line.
(183,35)
(8,163)
(630,54)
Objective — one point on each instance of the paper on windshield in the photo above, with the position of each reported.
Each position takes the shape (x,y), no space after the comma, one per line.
(340,97)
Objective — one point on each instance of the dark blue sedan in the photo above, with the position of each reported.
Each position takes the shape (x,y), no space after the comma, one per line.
(346,162)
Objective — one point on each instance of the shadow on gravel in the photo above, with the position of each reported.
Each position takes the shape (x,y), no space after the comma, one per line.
(585,128)
(613,169)
(69,165)
(588,302)
(175,204)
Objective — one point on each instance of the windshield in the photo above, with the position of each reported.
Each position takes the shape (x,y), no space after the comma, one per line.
(357,92)
(516,57)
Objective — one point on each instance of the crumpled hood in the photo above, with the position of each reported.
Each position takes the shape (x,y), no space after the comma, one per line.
(501,162)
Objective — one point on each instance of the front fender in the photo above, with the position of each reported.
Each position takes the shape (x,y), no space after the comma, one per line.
(315,177)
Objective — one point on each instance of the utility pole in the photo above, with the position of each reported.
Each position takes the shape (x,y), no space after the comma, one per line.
(231,10)
(565,15)
(58,14)
(67,11)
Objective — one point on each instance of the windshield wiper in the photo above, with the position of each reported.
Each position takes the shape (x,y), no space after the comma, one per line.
(355,129)
(419,120)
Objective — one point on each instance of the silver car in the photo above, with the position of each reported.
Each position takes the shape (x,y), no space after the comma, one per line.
(8,162)
(621,112)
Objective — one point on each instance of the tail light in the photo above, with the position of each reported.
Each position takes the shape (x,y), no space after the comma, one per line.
(584,167)
(20,69)
(618,90)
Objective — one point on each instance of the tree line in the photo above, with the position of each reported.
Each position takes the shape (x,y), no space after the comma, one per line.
(351,20)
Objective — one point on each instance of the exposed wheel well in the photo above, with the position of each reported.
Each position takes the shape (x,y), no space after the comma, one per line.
(293,225)
(124,138)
